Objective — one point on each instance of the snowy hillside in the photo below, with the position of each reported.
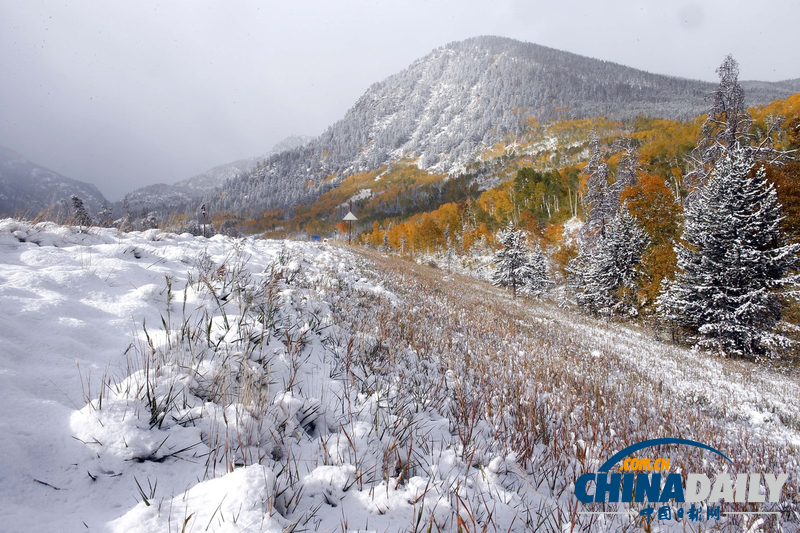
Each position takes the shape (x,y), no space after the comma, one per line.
(27,188)
(449,106)
(156,382)
(188,193)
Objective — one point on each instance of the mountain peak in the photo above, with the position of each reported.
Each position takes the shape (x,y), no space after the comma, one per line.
(456,101)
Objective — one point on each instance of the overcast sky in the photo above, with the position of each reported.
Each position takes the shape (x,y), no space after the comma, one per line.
(124,93)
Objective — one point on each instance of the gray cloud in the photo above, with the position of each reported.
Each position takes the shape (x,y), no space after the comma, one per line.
(124,94)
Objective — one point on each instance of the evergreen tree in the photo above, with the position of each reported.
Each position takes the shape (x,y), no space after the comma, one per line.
(512,267)
(583,273)
(538,282)
(733,265)
(105,217)
(728,125)
(602,198)
(80,215)
(449,250)
(385,245)
(598,204)
(629,167)
(150,220)
(607,276)
(577,268)
(125,223)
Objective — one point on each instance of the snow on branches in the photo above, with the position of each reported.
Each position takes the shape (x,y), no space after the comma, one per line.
(733,264)
(517,267)
(729,125)
(605,276)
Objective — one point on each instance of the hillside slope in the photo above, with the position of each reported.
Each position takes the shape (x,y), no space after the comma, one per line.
(248,385)
(188,193)
(27,188)
(459,100)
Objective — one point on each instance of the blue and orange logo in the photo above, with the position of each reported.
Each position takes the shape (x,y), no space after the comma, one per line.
(655,484)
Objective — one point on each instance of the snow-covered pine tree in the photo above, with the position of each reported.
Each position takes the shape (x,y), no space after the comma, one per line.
(539,282)
(80,215)
(577,270)
(105,217)
(450,249)
(595,154)
(600,201)
(150,220)
(512,267)
(629,167)
(728,124)
(125,222)
(734,264)
(608,274)
(584,274)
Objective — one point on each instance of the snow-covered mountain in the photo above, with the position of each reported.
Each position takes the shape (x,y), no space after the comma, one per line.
(760,91)
(461,98)
(217,176)
(187,192)
(26,189)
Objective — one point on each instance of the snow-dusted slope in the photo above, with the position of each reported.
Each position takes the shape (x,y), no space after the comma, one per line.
(188,193)
(73,312)
(156,382)
(460,99)
(27,189)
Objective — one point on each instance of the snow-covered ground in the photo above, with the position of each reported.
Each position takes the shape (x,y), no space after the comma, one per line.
(156,382)
(72,311)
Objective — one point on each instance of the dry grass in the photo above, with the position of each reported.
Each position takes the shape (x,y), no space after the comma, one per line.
(563,392)
(498,404)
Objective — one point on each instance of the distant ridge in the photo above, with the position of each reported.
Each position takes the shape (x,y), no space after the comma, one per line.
(26,189)
(187,192)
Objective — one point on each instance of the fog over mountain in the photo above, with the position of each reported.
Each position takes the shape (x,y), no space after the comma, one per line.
(187,192)
(26,189)
(128,94)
